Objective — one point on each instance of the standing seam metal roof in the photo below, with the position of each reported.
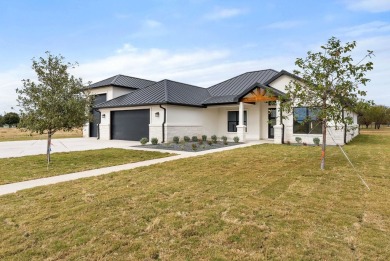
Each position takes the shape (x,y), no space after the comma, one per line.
(162,92)
(123,81)
(171,92)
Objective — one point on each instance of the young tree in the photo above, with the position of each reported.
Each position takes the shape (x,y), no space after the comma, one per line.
(11,118)
(329,83)
(58,100)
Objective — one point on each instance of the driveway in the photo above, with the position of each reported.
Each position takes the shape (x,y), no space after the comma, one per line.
(34,147)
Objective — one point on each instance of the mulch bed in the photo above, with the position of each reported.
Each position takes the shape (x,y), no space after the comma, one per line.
(188,146)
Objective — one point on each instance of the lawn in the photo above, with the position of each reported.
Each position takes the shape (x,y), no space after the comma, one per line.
(33,167)
(262,202)
(13,134)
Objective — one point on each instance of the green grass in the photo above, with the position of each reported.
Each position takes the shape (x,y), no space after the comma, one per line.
(257,203)
(33,167)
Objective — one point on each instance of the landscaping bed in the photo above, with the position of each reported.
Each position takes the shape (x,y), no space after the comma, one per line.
(189,146)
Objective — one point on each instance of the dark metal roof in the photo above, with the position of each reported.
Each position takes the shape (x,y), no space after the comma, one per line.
(123,81)
(282,72)
(162,92)
(171,92)
(238,84)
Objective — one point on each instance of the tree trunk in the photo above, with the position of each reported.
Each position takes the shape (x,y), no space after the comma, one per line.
(323,144)
(48,146)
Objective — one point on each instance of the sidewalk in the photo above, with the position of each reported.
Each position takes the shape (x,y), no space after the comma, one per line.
(14,187)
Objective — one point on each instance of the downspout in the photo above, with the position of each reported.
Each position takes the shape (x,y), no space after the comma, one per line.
(163,124)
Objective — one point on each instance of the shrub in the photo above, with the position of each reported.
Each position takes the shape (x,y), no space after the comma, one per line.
(176,139)
(194,138)
(316,141)
(186,138)
(210,142)
(154,141)
(236,139)
(304,144)
(298,139)
(224,138)
(144,140)
(204,137)
(214,138)
(200,141)
(288,142)
(194,146)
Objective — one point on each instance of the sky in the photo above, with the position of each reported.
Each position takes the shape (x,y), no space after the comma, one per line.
(199,42)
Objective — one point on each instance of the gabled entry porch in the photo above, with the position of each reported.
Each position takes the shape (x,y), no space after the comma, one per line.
(266,99)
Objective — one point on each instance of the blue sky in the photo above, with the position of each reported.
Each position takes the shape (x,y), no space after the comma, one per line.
(199,42)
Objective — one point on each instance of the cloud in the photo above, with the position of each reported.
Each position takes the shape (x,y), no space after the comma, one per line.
(283,25)
(150,28)
(9,81)
(152,23)
(376,27)
(200,67)
(374,6)
(225,13)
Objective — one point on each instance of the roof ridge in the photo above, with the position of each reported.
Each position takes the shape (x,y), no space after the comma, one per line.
(116,77)
(135,78)
(186,84)
(241,75)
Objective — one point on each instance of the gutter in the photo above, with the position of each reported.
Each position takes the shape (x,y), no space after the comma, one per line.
(163,124)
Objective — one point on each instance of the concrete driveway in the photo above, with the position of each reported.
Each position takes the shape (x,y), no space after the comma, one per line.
(34,147)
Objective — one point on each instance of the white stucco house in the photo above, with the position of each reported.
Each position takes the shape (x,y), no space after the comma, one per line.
(247,106)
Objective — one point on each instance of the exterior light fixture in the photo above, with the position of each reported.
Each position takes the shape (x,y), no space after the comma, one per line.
(157,114)
(103,116)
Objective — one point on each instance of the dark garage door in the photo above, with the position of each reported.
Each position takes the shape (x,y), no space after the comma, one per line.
(93,128)
(130,125)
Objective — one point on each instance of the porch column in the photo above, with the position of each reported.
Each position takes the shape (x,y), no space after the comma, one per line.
(241,127)
(278,127)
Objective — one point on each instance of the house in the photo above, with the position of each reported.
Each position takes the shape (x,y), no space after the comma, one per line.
(247,106)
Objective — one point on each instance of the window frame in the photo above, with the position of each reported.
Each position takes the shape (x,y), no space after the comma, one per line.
(234,130)
(310,126)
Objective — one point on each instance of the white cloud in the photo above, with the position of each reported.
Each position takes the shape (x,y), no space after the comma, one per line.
(200,67)
(152,23)
(149,28)
(283,25)
(374,6)
(224,13)
(376,27)
(9,82)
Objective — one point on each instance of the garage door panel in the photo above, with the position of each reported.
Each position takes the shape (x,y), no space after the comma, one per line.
(130,125)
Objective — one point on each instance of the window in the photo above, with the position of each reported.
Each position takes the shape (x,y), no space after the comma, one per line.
(306,122)
(233,120)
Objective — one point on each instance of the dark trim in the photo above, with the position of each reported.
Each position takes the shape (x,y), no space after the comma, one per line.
(163,124)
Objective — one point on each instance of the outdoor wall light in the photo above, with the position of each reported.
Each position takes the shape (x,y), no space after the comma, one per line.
(103,116)
(157,114)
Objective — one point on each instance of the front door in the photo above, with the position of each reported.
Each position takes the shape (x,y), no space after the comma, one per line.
(271,122)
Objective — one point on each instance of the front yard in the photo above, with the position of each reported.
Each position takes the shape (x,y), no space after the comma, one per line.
(261,202)
(34,167)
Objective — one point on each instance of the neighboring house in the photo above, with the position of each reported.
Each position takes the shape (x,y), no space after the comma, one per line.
(247,106)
